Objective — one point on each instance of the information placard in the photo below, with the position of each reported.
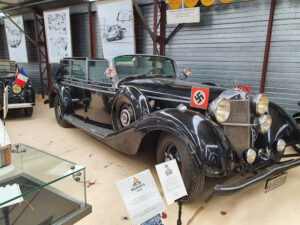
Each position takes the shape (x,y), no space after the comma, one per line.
(141,197)
(171,181)
(185,15)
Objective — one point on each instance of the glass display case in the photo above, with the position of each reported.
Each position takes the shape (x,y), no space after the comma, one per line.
(51,190)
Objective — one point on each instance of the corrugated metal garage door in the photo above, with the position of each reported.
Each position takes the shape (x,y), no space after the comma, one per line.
(3,44)
(80,35)
(229,44)
(283,81)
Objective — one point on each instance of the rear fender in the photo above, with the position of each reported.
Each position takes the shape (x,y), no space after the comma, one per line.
(139,101)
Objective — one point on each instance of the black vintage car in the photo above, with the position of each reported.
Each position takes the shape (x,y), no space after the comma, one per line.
(18,97)
(134,101)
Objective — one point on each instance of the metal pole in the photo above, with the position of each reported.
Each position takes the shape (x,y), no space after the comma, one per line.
(267,47)
(180,202)
(155,27)
(143,20)
(162,40)
(92,31)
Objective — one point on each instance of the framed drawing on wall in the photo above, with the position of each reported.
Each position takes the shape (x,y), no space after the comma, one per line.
(117,27)
(16,39)
(58,34)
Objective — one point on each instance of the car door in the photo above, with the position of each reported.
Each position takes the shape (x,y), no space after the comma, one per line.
(98,92)
(75,76)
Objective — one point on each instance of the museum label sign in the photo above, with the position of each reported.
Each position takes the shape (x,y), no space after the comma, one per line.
(185,15)
(141,197)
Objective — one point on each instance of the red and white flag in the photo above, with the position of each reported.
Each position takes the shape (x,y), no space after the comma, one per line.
(22,78)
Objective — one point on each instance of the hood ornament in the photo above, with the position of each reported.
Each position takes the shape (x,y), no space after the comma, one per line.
(235,85)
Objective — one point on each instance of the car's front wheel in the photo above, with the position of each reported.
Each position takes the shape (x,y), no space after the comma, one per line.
(171,147)
(297,146)
(28,112)
(59,114)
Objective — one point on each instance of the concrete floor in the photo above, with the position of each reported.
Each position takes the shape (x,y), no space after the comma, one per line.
(105,166)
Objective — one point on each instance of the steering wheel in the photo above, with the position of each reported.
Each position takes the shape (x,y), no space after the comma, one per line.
(158,71)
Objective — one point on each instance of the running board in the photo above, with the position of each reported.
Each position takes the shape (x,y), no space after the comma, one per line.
(96,131)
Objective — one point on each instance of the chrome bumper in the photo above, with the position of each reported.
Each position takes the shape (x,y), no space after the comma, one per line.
(265,174)
(20,105)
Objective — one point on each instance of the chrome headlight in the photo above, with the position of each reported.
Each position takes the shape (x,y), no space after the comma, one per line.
(261,103)
(250,155)
(220,109)
(16,89)
(281,145)
(265,122)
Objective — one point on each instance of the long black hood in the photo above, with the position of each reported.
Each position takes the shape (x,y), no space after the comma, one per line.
(172,89)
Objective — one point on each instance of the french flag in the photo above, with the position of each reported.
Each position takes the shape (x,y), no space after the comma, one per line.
(21,78)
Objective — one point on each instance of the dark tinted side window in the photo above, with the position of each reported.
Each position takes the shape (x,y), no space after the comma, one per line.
(97,70)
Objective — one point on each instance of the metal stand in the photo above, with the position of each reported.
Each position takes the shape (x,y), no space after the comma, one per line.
(5,211)
(180,202)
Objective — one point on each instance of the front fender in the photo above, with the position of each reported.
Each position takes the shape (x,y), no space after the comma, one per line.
(283,126)
(205,140)
(64,97)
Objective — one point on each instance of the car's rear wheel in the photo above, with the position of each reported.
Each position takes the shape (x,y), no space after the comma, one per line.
(297,146)
(59,114)
(123,113)
(171,147)
(28,111)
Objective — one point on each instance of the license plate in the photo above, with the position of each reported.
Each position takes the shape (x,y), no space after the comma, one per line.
(275,182)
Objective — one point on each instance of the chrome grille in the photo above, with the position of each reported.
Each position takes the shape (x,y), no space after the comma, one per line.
(236,131)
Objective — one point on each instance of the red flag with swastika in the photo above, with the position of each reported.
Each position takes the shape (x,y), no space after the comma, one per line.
(199,97)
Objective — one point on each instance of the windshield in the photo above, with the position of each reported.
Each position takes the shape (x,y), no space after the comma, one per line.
(144,65)
(7,68)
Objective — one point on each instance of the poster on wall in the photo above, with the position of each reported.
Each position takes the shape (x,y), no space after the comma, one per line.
(58,34)
(117,27)
(16,39)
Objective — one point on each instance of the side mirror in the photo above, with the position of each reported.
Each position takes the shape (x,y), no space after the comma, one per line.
(110,73)
(187,72)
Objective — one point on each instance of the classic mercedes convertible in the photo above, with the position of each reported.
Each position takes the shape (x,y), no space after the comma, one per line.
(136,100)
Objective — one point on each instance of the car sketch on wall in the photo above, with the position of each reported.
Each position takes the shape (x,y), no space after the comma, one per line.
(137,101)
(115,32)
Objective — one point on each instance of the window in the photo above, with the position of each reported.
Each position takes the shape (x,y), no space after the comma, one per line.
(144,65)
(79,69)
(66,71)
(97,70)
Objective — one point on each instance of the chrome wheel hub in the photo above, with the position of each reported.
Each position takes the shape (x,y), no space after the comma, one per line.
(125,117)
(59,110)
